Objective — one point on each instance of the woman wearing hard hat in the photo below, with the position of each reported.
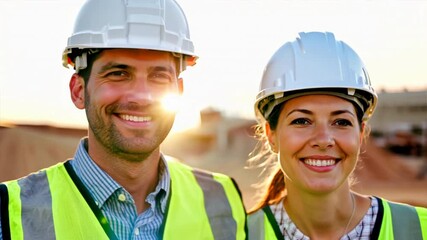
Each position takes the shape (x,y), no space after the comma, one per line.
(313,106)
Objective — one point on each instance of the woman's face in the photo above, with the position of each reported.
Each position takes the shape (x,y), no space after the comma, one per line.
(318,140)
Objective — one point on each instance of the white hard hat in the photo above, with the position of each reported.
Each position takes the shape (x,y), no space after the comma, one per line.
(315,63)
(138,24)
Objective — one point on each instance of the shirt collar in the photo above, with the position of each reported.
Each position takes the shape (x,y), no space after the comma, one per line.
(102,186)
(162,190)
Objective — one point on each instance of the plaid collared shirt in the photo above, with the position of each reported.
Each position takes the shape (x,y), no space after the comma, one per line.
(290,231)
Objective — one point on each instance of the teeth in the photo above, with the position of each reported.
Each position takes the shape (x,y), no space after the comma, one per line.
(135,118)
(319,163)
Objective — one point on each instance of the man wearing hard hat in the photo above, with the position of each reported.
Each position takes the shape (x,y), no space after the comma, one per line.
(127,56)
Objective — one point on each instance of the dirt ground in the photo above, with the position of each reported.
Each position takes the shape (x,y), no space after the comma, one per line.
(381,173)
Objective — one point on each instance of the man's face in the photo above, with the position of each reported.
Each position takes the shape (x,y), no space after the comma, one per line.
(123,100)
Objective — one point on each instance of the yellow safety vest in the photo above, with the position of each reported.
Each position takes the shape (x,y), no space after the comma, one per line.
(54,204)
(394,221)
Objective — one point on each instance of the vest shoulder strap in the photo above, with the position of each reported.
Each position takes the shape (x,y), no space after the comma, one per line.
(262,225)
(89,200)
(212,195)
(273,222)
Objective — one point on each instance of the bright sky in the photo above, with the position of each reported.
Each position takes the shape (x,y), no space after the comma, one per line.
(234,39)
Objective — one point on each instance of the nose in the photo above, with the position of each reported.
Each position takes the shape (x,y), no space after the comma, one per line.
(140,92)
(322,137)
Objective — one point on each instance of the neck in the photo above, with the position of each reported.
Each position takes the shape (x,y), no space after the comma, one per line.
(139,178)
(321,216)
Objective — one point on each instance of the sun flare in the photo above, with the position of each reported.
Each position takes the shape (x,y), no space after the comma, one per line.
(187,114)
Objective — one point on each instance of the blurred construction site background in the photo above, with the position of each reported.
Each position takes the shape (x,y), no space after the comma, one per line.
(393,164)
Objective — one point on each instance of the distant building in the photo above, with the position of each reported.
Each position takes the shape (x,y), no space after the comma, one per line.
(400,111)
(225,130)
(400,122)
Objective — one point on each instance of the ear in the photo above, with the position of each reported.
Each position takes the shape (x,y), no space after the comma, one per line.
(180,86)
(271,137)
(77,88)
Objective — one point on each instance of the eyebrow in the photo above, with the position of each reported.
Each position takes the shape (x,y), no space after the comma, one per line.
(162,69)
(111,65)
(334,113)
(338,112)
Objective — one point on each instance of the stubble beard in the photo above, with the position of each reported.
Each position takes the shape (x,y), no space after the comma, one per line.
(134,149)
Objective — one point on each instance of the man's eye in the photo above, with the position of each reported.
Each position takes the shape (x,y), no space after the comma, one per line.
(160,77)
(117,75)
(300,121)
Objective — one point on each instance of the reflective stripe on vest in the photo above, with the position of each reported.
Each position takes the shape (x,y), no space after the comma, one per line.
(406,224)
(213,192)
(35,191)
(257,224)
(50,197)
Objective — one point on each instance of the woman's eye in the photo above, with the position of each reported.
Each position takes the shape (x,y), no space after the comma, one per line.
(343,122)
(300,121)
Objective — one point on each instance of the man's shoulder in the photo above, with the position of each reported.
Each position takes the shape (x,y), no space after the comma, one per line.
(34,176)
(173,162)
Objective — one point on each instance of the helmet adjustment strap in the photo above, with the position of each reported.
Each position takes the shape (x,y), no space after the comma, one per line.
(80,62)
